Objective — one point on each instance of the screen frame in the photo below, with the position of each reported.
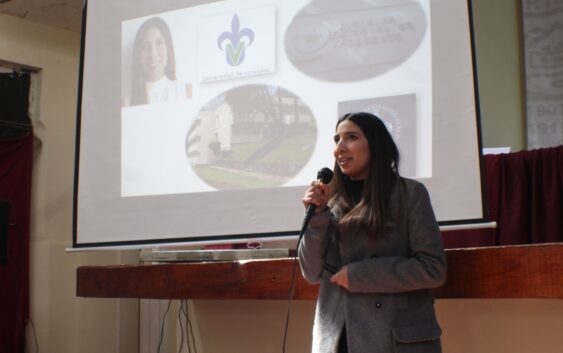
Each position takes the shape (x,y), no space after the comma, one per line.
(268,236)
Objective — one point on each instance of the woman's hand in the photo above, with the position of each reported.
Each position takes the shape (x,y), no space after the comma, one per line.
(316,194)
(340,278)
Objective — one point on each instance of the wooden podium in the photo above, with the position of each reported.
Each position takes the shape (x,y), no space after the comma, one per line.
(528,271)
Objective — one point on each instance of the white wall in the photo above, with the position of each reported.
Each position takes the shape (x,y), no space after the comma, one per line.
(501,325)
(500,73)
(470,326)
(64,323)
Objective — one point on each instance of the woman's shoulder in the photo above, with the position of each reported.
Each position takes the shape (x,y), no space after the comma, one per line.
(411,183)
(413,188)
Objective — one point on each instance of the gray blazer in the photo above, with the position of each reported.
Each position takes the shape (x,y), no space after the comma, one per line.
(390,305)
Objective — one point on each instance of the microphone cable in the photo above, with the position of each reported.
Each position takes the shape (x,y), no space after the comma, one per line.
(291,292)
(324,176)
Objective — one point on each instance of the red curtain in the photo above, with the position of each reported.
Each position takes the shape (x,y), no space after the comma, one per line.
(525,198)
(16,157)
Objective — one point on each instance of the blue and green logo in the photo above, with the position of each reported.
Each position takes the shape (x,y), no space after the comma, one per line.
(235,45)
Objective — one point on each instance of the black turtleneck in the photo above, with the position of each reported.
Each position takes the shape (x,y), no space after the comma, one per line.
(354,189)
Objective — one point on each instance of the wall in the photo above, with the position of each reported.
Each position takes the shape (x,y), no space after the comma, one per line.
(470,326)
(66,324)
(500,73)
(63,323)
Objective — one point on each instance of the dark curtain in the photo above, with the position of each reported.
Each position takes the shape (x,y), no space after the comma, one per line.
(14,104)
(16,156)
(525,198)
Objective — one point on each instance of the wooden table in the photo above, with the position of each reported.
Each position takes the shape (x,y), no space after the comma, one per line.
(530,271)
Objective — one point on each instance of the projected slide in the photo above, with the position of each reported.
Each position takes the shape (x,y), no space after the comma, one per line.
(204,121)
(236,95)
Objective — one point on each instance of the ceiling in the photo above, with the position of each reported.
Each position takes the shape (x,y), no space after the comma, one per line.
(66,14)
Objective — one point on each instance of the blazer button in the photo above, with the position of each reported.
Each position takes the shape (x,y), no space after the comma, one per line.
(378,305)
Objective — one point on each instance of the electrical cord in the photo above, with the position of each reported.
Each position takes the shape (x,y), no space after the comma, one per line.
(189,327)
(30,322)
(162,326)
(181,327)
(183,312)
(289,303)
(291,291)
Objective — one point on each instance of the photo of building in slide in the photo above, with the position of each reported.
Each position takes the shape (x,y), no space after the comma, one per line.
(251,136)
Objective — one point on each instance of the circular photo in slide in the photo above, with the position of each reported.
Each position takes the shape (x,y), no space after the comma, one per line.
(354,40)
(253,136)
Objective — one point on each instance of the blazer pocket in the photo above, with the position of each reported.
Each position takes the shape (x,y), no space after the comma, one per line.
(421,338)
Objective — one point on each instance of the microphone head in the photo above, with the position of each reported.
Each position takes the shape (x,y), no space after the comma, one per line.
(325,175)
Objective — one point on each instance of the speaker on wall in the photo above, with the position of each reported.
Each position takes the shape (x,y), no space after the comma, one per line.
(4,217)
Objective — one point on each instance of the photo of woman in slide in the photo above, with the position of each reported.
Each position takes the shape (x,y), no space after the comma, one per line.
(154,66)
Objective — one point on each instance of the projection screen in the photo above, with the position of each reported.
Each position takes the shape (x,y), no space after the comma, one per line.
(204,121)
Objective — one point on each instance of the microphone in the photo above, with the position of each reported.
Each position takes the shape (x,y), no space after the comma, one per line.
(324,176)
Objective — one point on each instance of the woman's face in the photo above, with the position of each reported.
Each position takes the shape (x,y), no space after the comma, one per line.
(154,54)
(352,150)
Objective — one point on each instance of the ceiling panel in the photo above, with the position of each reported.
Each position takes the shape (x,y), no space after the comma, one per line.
(66,14)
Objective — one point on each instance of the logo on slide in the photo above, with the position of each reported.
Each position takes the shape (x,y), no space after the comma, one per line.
(235,47)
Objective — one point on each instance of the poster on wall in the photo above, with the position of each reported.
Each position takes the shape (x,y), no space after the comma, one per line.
(543,48)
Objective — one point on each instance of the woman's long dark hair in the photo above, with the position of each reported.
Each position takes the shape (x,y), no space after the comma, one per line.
(138,94)
(372,212)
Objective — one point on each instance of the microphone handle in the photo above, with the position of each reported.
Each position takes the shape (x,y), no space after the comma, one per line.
(310,211)
(324,178)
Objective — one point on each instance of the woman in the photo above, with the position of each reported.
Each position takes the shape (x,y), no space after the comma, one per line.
(375,248)
(154,68)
